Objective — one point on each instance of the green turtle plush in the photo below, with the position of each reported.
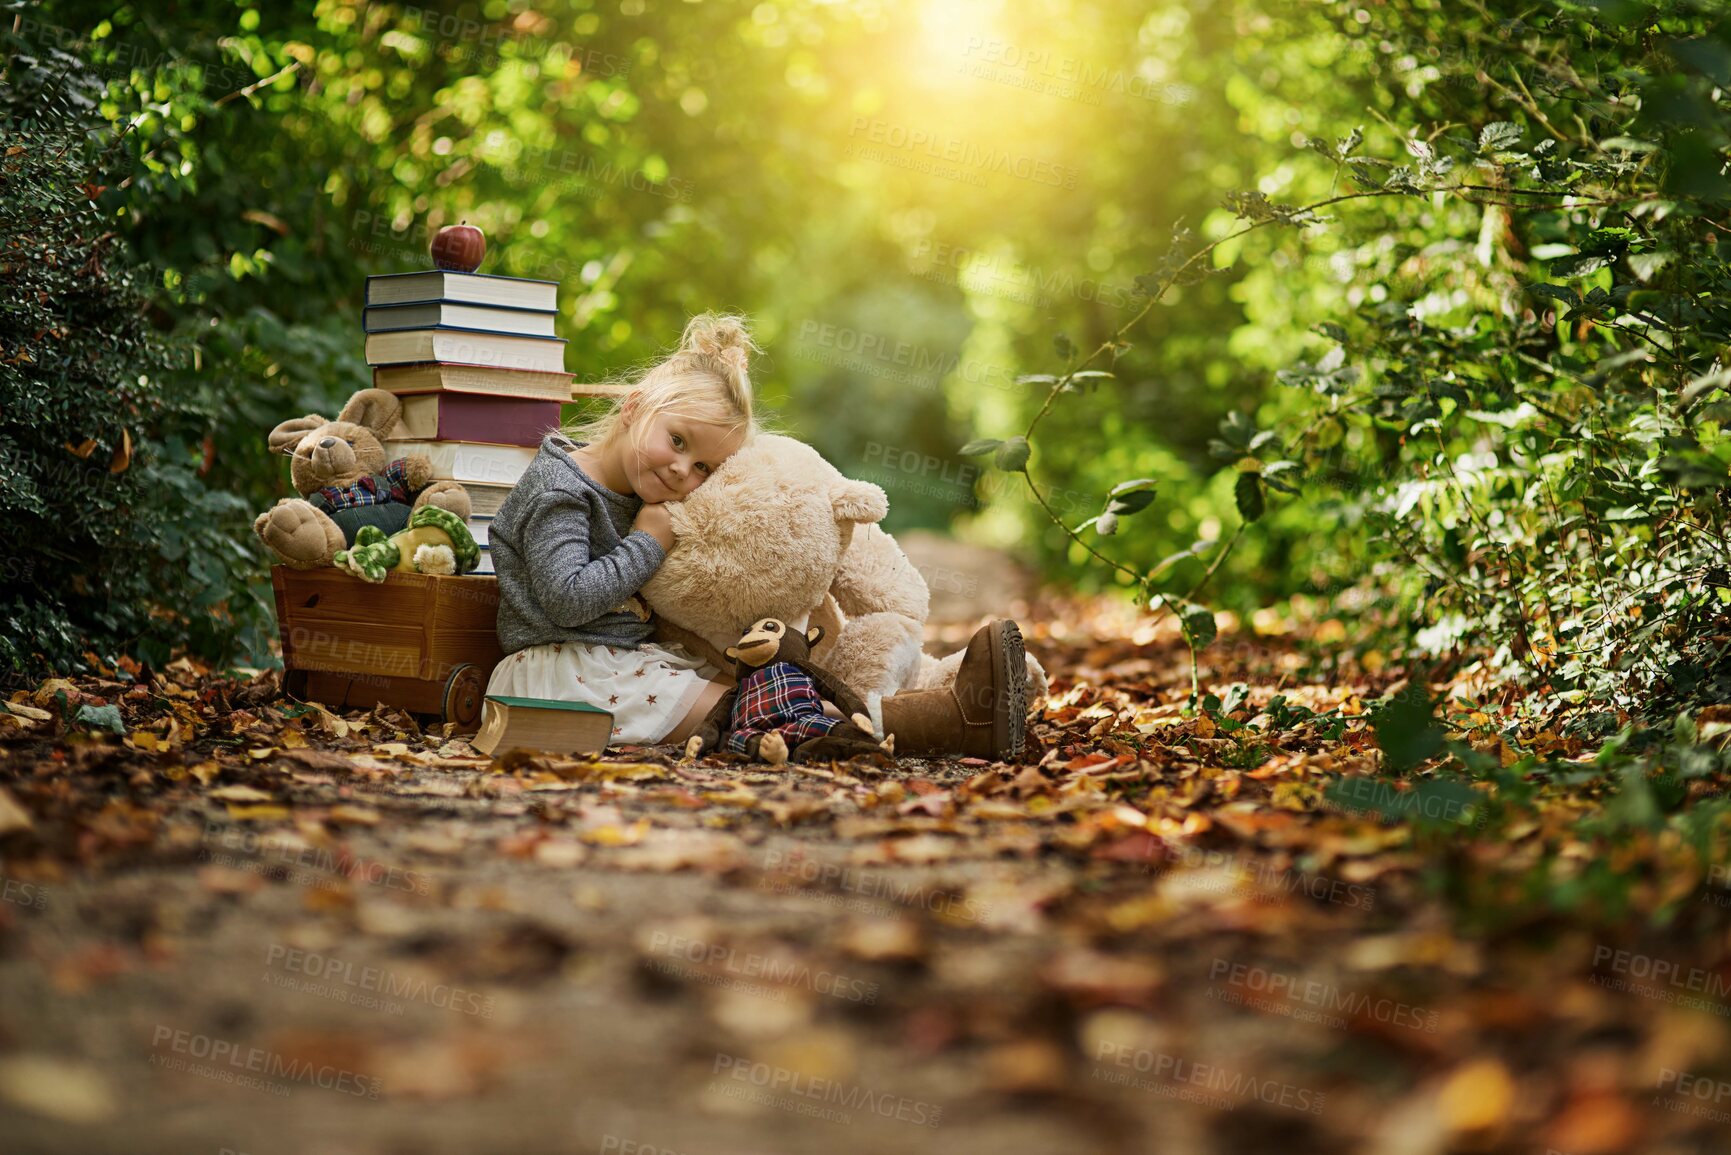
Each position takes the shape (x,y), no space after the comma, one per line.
(436,542)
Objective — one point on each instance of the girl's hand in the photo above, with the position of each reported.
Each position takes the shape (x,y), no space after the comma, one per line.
(657,523)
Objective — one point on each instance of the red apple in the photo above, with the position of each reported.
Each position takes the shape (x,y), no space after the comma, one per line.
(459,248)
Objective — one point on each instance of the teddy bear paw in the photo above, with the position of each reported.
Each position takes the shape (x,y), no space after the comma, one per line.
(299,534)
(772,749)
(864,723)
(692,745)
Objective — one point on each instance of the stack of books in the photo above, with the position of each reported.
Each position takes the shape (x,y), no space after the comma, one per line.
(480,373)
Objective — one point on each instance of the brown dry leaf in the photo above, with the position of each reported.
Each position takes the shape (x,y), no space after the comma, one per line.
(1095,979)
(122,457)
(883,940)
(258,813)
(239,793)
(66,1090)
(350,815)
(1595,1124)
(613,835)
(1477,1096)
(12,815)
(229,880)
(560,853)
(670,850)
(1026,1067)
(922,848)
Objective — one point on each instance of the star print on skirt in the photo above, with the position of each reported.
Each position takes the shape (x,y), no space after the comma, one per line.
(645,709)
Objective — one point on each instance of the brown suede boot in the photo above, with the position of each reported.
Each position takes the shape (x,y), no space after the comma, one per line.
(982,715)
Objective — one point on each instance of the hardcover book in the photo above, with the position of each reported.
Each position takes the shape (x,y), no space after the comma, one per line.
(448,377)
(470,346)
(433,314)
(473,288)
(472,417)
(485,498)
(460,461)
(542,724)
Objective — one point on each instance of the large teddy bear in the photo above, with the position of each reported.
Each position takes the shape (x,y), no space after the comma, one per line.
(778,532)
(345,482)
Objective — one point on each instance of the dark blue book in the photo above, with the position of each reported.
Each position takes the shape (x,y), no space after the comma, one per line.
(456,315)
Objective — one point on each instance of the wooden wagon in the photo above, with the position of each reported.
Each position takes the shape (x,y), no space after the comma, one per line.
(424,643)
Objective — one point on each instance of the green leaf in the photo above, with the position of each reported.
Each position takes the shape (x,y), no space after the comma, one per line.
(1063,346)
(1561,293)
(1407,730)
(1431,802)
(100,718)
(1012,455)
(1129,497)
(1498,136)
(1198,624)
(1247,491)
(979,445)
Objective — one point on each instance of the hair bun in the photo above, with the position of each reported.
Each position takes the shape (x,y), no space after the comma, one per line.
(726,338)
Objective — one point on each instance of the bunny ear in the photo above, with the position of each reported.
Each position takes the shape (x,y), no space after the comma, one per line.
(376,409)
(286,436)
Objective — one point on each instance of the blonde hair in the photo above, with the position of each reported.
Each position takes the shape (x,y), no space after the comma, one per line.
(707,379)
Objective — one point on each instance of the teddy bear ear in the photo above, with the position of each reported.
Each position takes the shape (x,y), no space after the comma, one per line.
(286,436)
(813,636)
(375,409)
(858,502)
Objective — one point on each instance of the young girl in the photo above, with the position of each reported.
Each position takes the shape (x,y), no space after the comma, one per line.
(587,525)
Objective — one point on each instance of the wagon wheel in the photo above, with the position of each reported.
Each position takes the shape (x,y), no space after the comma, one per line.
(463,694)
(294,684)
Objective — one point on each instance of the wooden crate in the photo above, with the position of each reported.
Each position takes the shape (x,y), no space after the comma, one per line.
(425,643)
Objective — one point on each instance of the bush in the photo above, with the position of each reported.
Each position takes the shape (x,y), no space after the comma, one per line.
(117,546)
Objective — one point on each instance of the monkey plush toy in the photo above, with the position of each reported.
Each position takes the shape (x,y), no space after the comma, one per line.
(776,710)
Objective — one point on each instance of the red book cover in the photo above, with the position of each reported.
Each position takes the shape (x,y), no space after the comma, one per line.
(477,417)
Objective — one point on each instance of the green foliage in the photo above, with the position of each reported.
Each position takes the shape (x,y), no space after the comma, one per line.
(1516,388)
(1416,306)
(115,544)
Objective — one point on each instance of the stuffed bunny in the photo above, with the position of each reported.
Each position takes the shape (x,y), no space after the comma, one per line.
(345,483)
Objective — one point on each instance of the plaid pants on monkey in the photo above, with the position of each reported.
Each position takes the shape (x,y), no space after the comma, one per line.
(780,697)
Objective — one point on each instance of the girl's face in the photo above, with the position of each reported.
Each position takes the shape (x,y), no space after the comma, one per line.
(672,455)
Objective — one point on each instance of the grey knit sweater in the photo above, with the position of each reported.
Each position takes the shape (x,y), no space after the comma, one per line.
(567,557)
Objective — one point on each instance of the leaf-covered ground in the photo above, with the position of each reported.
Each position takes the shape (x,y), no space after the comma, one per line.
(236,922)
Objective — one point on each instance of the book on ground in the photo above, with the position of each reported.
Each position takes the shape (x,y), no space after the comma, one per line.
(460,461)
(432,314)
(478,527)
(472,417)
(442,377)
(470,346)
(542,724)
(473,288)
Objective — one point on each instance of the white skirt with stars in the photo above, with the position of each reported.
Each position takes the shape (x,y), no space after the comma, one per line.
(648,689)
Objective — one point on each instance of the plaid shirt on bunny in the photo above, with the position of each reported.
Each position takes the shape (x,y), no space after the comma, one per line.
(380,489)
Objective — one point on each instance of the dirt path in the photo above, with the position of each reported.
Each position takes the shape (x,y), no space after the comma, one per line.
(1150,941)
